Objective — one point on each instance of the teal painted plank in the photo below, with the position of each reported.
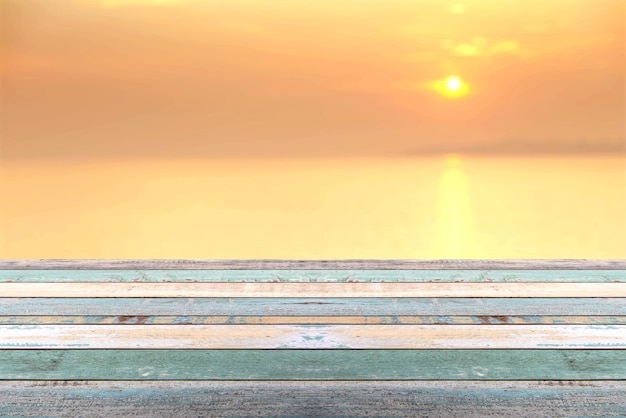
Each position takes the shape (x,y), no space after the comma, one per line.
(313,364)
(338,276)
(313,307)
(340,320)
(307,399)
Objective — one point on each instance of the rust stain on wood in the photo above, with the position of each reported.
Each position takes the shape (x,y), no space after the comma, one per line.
(132,319)
(493,319)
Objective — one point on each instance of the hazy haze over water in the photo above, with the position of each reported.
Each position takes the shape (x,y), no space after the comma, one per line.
(432,207)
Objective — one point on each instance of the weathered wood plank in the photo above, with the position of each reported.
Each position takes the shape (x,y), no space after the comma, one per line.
(312,276)
(313,364)
(262,322)
(350,399)
(313,264)
(313,337)
(312,307)
(314,290)
(312,320)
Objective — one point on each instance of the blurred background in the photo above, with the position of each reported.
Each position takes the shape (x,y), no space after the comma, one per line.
(312,129)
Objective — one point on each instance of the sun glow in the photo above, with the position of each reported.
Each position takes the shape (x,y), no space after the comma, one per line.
(453,83)
(452,86)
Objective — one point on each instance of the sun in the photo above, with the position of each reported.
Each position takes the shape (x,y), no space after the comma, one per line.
(453,83)
(452,86)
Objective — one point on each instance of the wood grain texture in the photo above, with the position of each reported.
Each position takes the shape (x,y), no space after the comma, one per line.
(340,399)
(312,306)
(311,320)
(312,364)
(312,276)
(313,264)
(312,337)
(313,290)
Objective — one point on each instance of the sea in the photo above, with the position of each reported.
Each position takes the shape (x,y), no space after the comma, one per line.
(430,207)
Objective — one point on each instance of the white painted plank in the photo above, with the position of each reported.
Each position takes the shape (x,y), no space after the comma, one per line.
(312,276)
(312,337)
(313,290)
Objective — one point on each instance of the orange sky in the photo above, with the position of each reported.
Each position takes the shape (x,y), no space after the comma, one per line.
(226,78)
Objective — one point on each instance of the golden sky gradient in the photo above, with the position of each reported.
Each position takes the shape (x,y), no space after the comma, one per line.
(244,78)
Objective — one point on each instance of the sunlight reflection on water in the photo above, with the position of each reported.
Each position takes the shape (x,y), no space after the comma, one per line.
(455,217)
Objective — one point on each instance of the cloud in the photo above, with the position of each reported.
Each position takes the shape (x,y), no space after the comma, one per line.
(517,146)
(108,4)
(483,47)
